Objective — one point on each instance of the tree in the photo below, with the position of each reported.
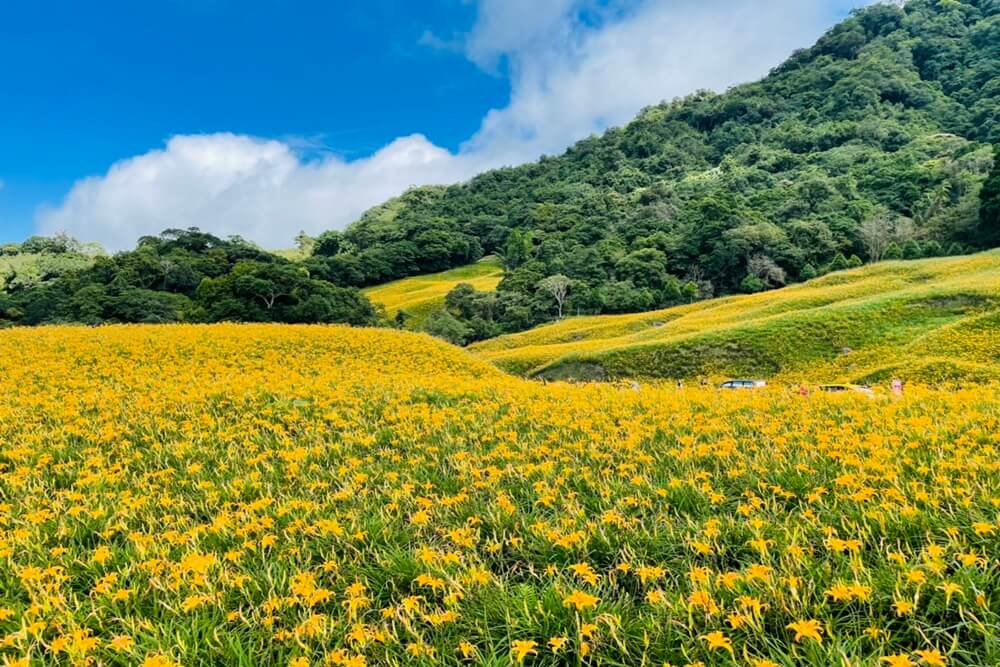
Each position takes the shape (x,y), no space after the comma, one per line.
(932,249)
(280,292)
(839,263)
(518,249)
(327,244)
(752,284)
(765,269)
(912,250)
(876,234)
(266,282)
(446,326)
(623,297)
(557,287)
(893,251)
(808,272)
(305,243)
(989,206)
(644,268)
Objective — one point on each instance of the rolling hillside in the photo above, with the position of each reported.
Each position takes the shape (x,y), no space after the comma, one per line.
(931,320)
(421,295)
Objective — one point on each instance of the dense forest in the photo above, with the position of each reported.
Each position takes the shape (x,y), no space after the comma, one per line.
(875,143)
(872,144)
(178,276)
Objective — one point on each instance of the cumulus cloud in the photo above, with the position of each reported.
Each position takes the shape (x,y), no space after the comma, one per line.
(231,184)
(576,67)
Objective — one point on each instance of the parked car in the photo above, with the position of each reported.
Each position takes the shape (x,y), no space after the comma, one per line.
(836,388)
(743,384)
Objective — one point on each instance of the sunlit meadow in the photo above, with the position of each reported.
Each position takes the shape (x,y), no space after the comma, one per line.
(273,495)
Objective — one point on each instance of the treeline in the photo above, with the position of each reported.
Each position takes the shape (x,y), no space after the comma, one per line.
(872,144)
(178,276)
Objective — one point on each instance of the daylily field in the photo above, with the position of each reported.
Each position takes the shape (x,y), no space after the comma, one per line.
(273,495)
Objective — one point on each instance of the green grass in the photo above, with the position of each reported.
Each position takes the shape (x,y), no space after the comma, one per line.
(419,296)
(928,320)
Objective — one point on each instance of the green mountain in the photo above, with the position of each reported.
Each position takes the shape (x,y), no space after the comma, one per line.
(873,143)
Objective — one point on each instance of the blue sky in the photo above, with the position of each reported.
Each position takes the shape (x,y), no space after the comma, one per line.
(263,117)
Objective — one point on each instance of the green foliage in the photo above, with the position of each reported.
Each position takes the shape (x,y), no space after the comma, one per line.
(839,263)
(255,291)
(989,211)
(890,115)
(752,285)
(893,251)
(40,260)
(446,326)
(180,275)
(926,320)
(932,249)
(912,250)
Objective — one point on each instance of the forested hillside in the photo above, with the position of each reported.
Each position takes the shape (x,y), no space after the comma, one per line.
(873,143)
(178,276)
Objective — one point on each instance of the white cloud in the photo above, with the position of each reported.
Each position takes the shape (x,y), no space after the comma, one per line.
(231,184)
(570,77)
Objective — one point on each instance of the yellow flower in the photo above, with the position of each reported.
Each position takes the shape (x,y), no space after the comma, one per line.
(585,572)
(522,649)
(949,588)
(580,600)
(716,640)
(932,657)
(158,661)
(903,607)
(466,649)
(121,642)
(556,643)
(899,660)
(809,629)
(983,528)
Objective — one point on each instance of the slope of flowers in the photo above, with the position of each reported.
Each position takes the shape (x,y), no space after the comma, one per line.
(267,495)
(421,295)
(864,324)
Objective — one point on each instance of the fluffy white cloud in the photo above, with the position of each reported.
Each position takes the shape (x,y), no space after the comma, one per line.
(576,67)
(230,184)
